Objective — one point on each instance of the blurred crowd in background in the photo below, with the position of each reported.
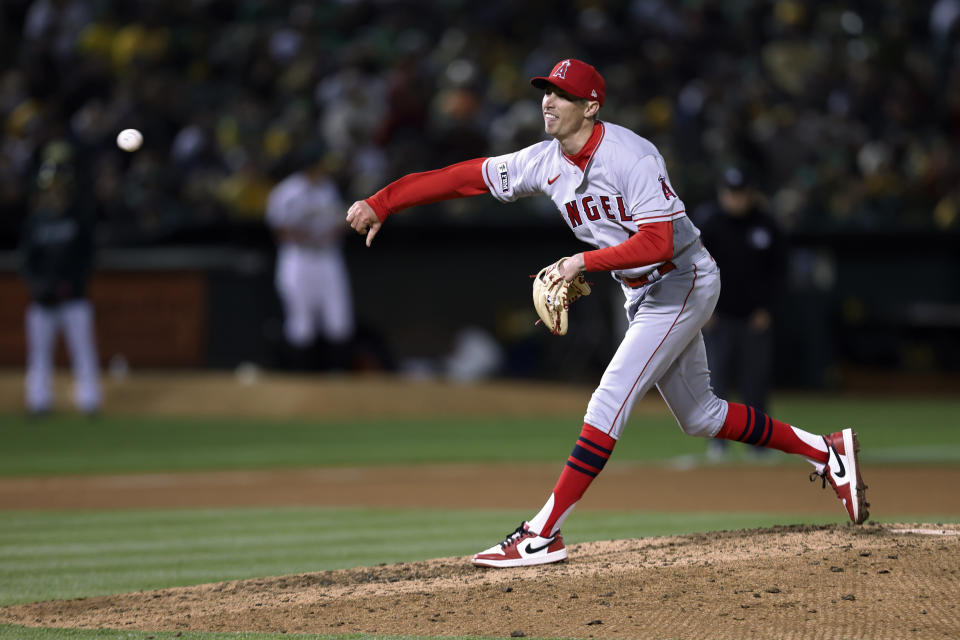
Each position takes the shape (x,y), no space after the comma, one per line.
(849,112)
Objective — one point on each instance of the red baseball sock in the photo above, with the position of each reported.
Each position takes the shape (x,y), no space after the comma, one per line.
(746,424)
(591,452)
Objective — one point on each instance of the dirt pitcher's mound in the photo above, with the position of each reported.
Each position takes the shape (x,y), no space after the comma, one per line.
(874,581)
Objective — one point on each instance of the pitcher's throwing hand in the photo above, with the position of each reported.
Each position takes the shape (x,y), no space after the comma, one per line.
(363,219)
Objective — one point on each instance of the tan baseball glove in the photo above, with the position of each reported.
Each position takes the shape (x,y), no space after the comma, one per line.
(552,296)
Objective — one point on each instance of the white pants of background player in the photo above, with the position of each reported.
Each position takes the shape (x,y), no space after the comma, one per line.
(663,346)
(315,290)
(75,318)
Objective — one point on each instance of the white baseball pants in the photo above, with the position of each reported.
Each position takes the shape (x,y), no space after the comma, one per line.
(314,287)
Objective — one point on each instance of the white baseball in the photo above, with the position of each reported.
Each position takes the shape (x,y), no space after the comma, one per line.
(129,139)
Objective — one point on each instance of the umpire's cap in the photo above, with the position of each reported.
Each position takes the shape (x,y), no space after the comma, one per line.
(735,178)
(577,78)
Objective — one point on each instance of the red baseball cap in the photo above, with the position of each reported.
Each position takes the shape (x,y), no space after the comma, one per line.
(577,78)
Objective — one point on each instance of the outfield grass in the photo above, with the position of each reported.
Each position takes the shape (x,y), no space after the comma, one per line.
(892,430)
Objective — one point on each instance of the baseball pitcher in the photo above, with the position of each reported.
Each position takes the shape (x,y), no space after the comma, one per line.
(612,188)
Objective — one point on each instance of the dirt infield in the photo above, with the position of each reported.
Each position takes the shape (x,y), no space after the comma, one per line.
(841,581)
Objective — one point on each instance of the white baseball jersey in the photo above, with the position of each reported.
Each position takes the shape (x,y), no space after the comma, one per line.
(312,208)
(626,184)
(311,275)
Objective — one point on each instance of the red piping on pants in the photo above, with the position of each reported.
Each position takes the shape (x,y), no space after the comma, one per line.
(684,306)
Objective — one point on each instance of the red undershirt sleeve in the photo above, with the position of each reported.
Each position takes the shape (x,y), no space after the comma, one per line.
(651,243)
(459,180)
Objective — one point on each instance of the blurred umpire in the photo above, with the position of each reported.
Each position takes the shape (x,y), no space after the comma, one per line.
(750,250)
(56,249)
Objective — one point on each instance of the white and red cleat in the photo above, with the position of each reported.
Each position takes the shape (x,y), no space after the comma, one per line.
(843,472)
(523,548)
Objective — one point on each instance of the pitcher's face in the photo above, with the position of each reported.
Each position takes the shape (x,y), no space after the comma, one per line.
(563,114)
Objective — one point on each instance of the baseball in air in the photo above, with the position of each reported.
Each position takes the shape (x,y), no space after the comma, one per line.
(129,139)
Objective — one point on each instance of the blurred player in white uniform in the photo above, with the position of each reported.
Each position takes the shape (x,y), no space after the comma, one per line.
(611,187)
(305,213)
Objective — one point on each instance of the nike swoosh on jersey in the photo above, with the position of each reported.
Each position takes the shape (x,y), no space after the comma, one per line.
(531,549)
(552,180)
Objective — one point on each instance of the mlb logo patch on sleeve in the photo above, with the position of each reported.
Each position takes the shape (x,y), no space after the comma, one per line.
(504,177)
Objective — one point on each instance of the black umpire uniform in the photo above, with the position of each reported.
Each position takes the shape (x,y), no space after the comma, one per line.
(750,249)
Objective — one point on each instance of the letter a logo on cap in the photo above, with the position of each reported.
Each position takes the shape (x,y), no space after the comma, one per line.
(577,78)
(561,70)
